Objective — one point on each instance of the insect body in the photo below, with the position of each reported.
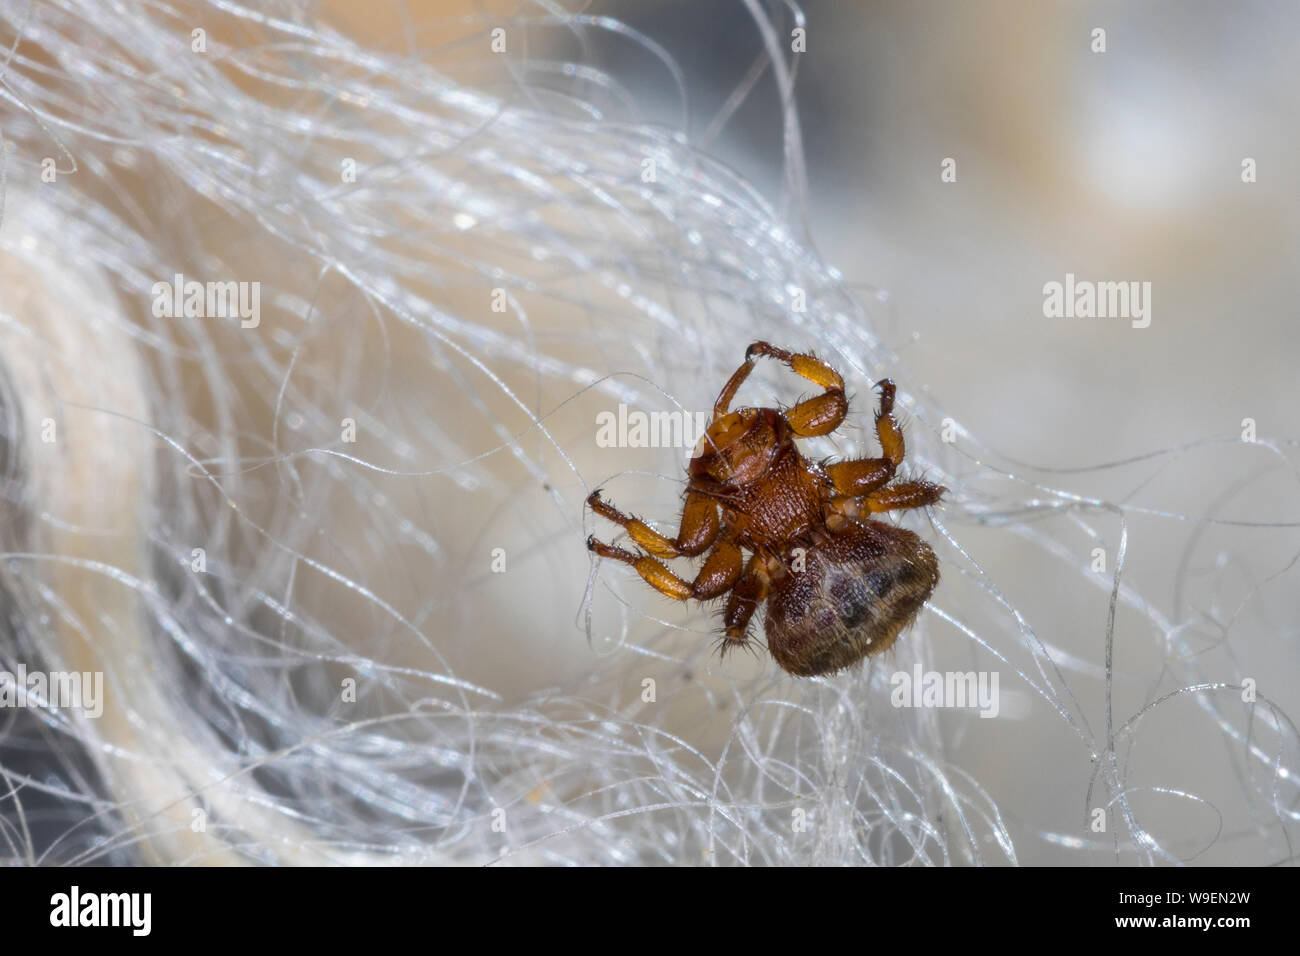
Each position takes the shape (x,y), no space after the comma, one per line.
(838,584)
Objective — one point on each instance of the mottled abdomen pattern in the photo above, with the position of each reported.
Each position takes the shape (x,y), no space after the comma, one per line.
(859,588)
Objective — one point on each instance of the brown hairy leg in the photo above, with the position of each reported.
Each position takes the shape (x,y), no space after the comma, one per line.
(819,415)
(719,572)
(861,476)
(746,595)
(699,526)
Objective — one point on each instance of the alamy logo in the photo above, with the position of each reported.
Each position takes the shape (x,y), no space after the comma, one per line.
(75,908)
(637,429)
(58,690)
(955,689)
(1083,299)
(208,300)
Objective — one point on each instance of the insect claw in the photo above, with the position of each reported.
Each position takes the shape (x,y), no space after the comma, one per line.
(730,641)
(886,387)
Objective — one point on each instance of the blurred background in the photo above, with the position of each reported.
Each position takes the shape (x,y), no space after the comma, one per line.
(889,184)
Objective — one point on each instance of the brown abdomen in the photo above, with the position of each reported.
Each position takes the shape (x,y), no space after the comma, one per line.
(857,591)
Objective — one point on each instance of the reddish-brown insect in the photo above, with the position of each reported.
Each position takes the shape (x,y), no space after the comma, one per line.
(839,586)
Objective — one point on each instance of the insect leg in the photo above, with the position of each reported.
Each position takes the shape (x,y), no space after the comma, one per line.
(699,527)
(911,494)
(721,569)
(821,414)
(749,592)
